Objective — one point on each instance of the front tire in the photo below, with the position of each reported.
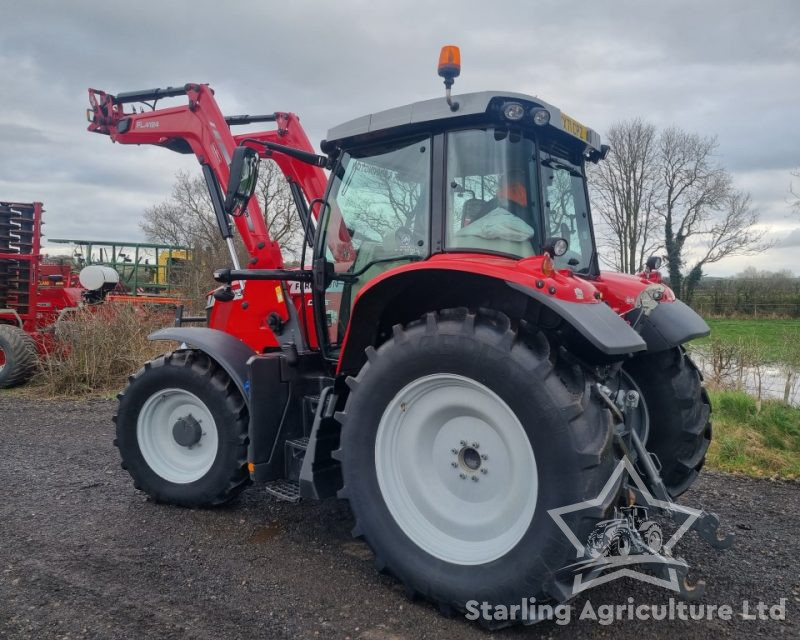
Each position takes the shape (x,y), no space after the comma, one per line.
(679,412)
(423,412)
(182,431)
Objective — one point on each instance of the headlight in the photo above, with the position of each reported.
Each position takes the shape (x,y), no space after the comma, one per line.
(540,116)
(513,111)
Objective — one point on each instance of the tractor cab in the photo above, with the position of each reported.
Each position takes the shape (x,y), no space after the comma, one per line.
(501,176)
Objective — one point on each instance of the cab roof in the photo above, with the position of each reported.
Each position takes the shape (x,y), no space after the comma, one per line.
(471,105)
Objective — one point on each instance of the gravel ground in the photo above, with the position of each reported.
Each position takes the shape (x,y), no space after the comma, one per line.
(84,555)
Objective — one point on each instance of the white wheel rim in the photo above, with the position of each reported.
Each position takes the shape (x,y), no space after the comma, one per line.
(172,461)
(425,457)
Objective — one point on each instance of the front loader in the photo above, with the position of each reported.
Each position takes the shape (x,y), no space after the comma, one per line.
(449,357)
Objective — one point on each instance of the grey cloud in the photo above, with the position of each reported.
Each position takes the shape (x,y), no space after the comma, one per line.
(792,239)
(720,67)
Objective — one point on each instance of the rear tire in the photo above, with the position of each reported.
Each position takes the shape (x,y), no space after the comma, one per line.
(182,431)
(680,414)
(18,356)
(502,387)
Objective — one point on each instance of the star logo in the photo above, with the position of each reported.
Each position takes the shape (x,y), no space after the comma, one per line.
(632,540)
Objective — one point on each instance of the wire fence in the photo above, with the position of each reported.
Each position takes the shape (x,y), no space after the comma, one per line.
(747,309)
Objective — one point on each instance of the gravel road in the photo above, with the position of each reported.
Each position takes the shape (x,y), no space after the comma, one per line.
(84,555)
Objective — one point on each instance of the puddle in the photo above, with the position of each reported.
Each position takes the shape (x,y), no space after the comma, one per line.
(265,533)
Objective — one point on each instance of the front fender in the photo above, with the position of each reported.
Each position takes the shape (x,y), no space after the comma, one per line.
(671,324)
(596,322)
(228,352)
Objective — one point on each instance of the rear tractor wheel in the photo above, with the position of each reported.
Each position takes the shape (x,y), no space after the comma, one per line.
(182,431)
(458,436)
(18,356)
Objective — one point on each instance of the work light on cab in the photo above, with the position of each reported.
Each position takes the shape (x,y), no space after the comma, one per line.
(513,111)
(540,117)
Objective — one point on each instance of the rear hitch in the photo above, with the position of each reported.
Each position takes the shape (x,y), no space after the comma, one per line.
(646,489)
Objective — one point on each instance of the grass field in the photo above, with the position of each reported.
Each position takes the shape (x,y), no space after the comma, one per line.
(756,444)
(770,334)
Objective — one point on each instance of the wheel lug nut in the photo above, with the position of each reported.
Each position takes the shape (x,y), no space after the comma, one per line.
(454,451)
(484,471)
(463,476)
(475,445)
(454,464)
(484,456)
(474,478)
(463,443)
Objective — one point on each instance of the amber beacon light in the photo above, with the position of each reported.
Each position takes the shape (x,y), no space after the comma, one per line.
(449,68)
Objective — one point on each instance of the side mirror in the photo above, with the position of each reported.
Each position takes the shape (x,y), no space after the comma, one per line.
(653,263)
(242,181)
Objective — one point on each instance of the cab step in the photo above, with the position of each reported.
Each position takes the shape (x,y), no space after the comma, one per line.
(282,489)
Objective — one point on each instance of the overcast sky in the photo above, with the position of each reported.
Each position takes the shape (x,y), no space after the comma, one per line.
(729,68)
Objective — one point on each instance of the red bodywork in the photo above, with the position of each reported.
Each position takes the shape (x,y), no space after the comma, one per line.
(201,128)
(619,290)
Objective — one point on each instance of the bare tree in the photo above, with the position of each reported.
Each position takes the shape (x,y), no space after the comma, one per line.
(703,215)
(794,195)
(187,218)
(626,187)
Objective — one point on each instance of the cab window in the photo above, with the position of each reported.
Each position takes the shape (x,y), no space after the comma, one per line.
(378,219)
(492,195)
(567,211)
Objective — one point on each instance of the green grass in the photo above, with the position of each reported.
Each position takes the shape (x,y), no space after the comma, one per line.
(768,333)
(758,444)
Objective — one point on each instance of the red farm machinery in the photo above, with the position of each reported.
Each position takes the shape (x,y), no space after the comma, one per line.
(449,357)
(33,295)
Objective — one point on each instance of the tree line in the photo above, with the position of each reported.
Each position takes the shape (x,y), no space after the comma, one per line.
(665,192)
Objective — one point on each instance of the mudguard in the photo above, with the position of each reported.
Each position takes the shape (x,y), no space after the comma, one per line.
(596,322)
(228,352)
(671,324)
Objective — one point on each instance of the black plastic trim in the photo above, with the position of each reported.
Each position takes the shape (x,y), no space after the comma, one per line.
(228,352)
(596,322)
(671,324)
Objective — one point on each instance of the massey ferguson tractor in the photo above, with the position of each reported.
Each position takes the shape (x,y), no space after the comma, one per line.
(449,358)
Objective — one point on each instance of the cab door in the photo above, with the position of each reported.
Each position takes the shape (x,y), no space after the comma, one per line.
(377,218)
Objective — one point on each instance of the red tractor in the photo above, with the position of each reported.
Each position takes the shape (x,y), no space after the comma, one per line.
(32,295)
(449,358)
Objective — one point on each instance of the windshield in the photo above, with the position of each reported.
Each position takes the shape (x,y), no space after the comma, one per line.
(492,194)
(567,211)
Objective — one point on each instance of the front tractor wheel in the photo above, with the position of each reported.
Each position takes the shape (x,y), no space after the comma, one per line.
(679,414)
(182,431)
(458,436)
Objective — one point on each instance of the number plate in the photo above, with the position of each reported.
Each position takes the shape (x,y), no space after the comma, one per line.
(574,127)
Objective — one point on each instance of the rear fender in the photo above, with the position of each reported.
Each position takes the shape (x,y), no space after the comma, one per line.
(407,295)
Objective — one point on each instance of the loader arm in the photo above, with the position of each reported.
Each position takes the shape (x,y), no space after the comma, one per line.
(199,127)
(263,317)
